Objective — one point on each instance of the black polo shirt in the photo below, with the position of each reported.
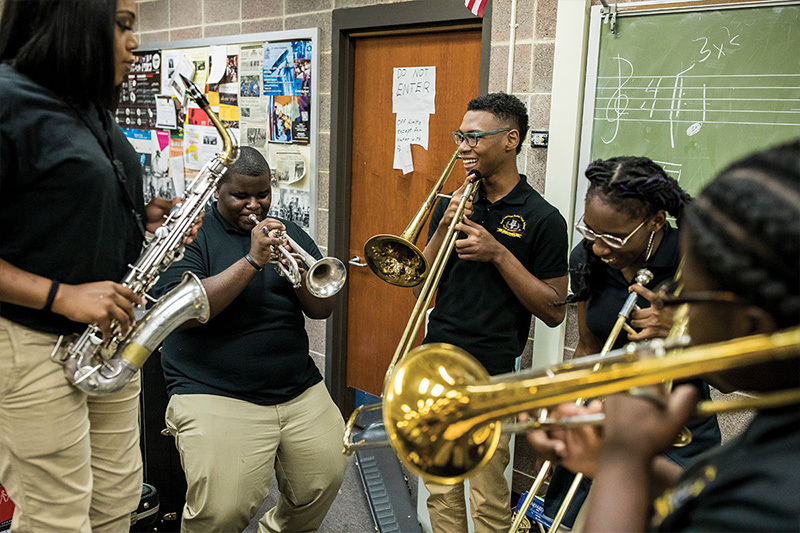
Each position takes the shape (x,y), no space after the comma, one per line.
(256,349)
(749,484)
(63,214)
(475,308)
(606,300)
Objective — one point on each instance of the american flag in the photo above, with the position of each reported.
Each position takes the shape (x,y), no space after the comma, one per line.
(476,6)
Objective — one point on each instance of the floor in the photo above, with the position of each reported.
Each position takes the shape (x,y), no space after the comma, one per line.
(350,512)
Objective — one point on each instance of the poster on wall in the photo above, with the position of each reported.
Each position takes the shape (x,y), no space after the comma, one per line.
(291,199)
(223,86)
(286,79)
(278,69)
(282,109)
(261,91)
(301,51)
(153,147)
(252,105)
(137,105)
(293,205)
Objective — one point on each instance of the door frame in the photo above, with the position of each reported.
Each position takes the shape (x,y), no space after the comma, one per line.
(347,25)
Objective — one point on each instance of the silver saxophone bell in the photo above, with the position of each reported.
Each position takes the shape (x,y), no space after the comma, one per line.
(96,376)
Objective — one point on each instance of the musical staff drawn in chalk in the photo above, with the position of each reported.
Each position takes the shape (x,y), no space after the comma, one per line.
(691,100)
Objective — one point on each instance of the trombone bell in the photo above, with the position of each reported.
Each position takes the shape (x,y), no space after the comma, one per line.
(417,430)
(396,260)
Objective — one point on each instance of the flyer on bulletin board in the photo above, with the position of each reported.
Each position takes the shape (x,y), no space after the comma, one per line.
(137,99)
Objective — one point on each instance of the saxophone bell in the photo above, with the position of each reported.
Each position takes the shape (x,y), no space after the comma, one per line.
(88,371)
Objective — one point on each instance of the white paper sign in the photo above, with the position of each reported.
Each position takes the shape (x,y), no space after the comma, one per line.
(165,112)
(176,171)
(412,128)
(219,57)
(414,90)
(402,158)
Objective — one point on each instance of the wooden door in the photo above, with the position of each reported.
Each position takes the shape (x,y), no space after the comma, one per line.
(383,200)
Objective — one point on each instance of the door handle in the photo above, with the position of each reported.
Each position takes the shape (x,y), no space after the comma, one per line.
(356,261)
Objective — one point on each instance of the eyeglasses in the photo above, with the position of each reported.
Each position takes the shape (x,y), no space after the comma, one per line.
(473,136)
(669,294)
(610,240)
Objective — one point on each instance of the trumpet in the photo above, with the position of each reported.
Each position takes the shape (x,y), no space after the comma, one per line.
(324,278)
(442,410)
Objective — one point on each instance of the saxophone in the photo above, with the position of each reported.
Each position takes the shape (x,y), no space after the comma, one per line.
(99,368)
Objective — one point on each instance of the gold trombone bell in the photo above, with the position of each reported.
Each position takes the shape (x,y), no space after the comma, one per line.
(442,411)
(396,259)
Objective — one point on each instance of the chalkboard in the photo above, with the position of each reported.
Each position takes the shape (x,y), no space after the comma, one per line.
(692,90)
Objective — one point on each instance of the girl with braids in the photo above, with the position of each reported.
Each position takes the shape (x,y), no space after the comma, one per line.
(624,229)
(741,244)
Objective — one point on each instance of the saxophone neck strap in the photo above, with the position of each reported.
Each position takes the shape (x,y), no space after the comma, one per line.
(104,140)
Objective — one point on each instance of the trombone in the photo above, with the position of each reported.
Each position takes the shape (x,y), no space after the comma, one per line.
(431,280)
(442,410)
(324,277)
(396,259)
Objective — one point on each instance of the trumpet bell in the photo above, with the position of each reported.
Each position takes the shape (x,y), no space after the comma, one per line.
(326,277)
(423,398)
(396,260)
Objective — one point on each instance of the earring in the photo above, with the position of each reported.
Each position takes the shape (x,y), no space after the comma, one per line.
(649,251)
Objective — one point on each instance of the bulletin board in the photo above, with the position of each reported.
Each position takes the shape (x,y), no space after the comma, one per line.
(264,88)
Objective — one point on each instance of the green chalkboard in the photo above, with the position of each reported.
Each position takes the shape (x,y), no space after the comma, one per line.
(697,90)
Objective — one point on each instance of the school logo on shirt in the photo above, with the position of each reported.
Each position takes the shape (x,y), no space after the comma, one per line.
(512,225)
(685,491)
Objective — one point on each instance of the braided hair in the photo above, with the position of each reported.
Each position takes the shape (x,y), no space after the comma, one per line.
(636,186)
(744,231)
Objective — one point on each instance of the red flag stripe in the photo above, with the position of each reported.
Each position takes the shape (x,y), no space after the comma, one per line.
(476,6)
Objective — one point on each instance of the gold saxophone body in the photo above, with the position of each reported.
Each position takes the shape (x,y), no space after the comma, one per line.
(99,368)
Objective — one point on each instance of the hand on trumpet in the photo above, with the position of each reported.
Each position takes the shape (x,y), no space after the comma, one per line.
(263,238)
(574,448)
(653,323)
(298,258)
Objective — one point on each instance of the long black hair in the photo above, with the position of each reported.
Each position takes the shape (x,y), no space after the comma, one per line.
(744,229)
(64,45)
(633,185)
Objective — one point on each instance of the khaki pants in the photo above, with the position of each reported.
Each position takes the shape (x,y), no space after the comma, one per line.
(231,450)
(489,498)
(69,463)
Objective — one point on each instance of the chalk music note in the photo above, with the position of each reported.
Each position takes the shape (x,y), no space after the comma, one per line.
(694,129)
(675,108)
(618,104)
